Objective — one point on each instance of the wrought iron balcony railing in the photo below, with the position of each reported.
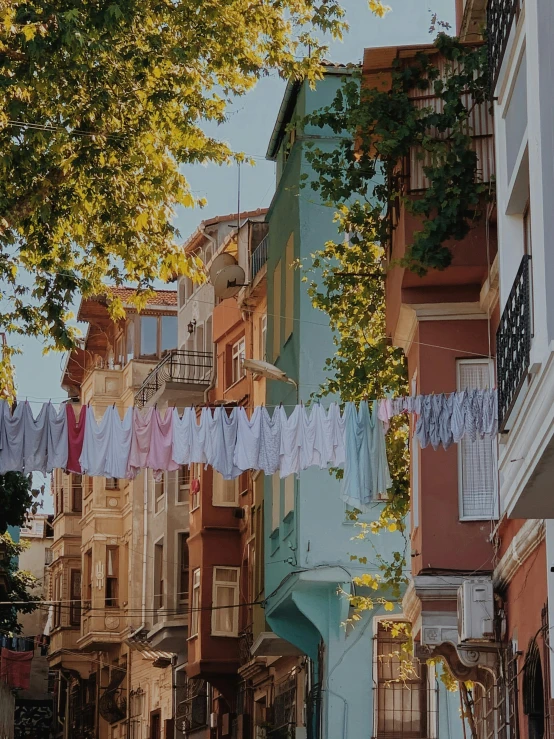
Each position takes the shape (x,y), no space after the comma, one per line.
(500,18)
(513,342)
(259,256)
(178,366)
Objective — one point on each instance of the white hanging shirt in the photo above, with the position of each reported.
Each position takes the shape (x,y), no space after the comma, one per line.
(247,449)
(107,444)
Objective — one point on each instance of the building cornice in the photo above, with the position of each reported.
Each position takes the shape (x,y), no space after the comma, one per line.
(524,543)
(413,313)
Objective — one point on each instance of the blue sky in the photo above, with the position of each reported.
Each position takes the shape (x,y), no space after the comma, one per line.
(248,129)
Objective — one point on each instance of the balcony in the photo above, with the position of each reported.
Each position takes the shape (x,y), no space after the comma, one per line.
(181,376)
(513,344)
(500,19)
(258,258)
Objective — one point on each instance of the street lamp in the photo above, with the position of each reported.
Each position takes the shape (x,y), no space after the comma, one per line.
(270,371)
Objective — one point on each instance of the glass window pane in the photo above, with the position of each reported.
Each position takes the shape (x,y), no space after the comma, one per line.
(148,336)
(130,338)
(225,599)
(169,332)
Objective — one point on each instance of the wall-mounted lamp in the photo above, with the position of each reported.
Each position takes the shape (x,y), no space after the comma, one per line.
(192,326)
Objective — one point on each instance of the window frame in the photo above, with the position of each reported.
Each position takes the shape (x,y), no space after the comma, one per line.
(427,707)
(262,338)
(220,503)
(183,486)
(235,586)
(238,355)
(75,585)
(182,598)
(159,579)
(289,288)
(196,599)
(494,515)
(195,498)
(114,579)
(75,486)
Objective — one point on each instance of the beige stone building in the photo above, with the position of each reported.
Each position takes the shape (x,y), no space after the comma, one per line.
(110,681)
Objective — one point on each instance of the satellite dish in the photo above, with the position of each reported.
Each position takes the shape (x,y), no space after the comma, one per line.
(222,260)
(228,281)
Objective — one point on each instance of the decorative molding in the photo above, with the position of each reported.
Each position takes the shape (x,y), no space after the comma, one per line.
(530,435)
(413,313)
(524,543)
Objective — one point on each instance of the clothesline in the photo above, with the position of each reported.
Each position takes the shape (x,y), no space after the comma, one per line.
(231,441)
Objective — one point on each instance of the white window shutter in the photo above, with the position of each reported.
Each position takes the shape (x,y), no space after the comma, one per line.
(477,468)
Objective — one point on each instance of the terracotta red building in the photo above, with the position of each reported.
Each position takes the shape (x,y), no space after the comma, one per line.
(478,592)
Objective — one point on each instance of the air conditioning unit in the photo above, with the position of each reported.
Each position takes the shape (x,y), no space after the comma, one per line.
(213,720)
(476,610)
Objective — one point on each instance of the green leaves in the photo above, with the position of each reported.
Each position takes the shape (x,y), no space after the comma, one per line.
(101,105)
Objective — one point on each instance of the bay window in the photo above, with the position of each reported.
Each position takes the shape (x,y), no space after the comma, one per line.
(225,615)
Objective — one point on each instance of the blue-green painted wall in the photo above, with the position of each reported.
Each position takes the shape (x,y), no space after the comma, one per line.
(308,553)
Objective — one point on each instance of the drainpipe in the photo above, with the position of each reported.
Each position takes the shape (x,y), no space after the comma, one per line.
(144,545)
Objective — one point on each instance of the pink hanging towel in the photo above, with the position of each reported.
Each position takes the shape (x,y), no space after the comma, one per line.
(75,437)
(161,444)
(140,441)
(15,668)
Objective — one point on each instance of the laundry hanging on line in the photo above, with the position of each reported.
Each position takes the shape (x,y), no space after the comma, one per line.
(232,441)
(444,419)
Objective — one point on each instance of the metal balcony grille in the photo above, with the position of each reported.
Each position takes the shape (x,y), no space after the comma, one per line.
(513,343)
(178,366)
(259,257)
(500,18)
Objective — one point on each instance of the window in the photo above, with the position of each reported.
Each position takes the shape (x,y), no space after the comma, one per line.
(159,575)
(159,492)
(263,338)
(183,573)
(289,286)
(196,705)
(58,493)
(88,485)
(112,576)
(277,310)
(112,483)
(238,354)
(476,459)
(275,501)
(194,486)
(195,603)
(130,340)
(169,332)
(208,341)
(76,493)
(148,336)
(258,550)
(284,706)
(183,484)
(225,615)
(401,700)
(75,605)
(289,494)
(88,578)
(224,492)
(57,600)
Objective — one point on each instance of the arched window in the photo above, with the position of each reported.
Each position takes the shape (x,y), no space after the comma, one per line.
(533,692)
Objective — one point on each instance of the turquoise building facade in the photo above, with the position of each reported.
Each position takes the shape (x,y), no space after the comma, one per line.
(308,536)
